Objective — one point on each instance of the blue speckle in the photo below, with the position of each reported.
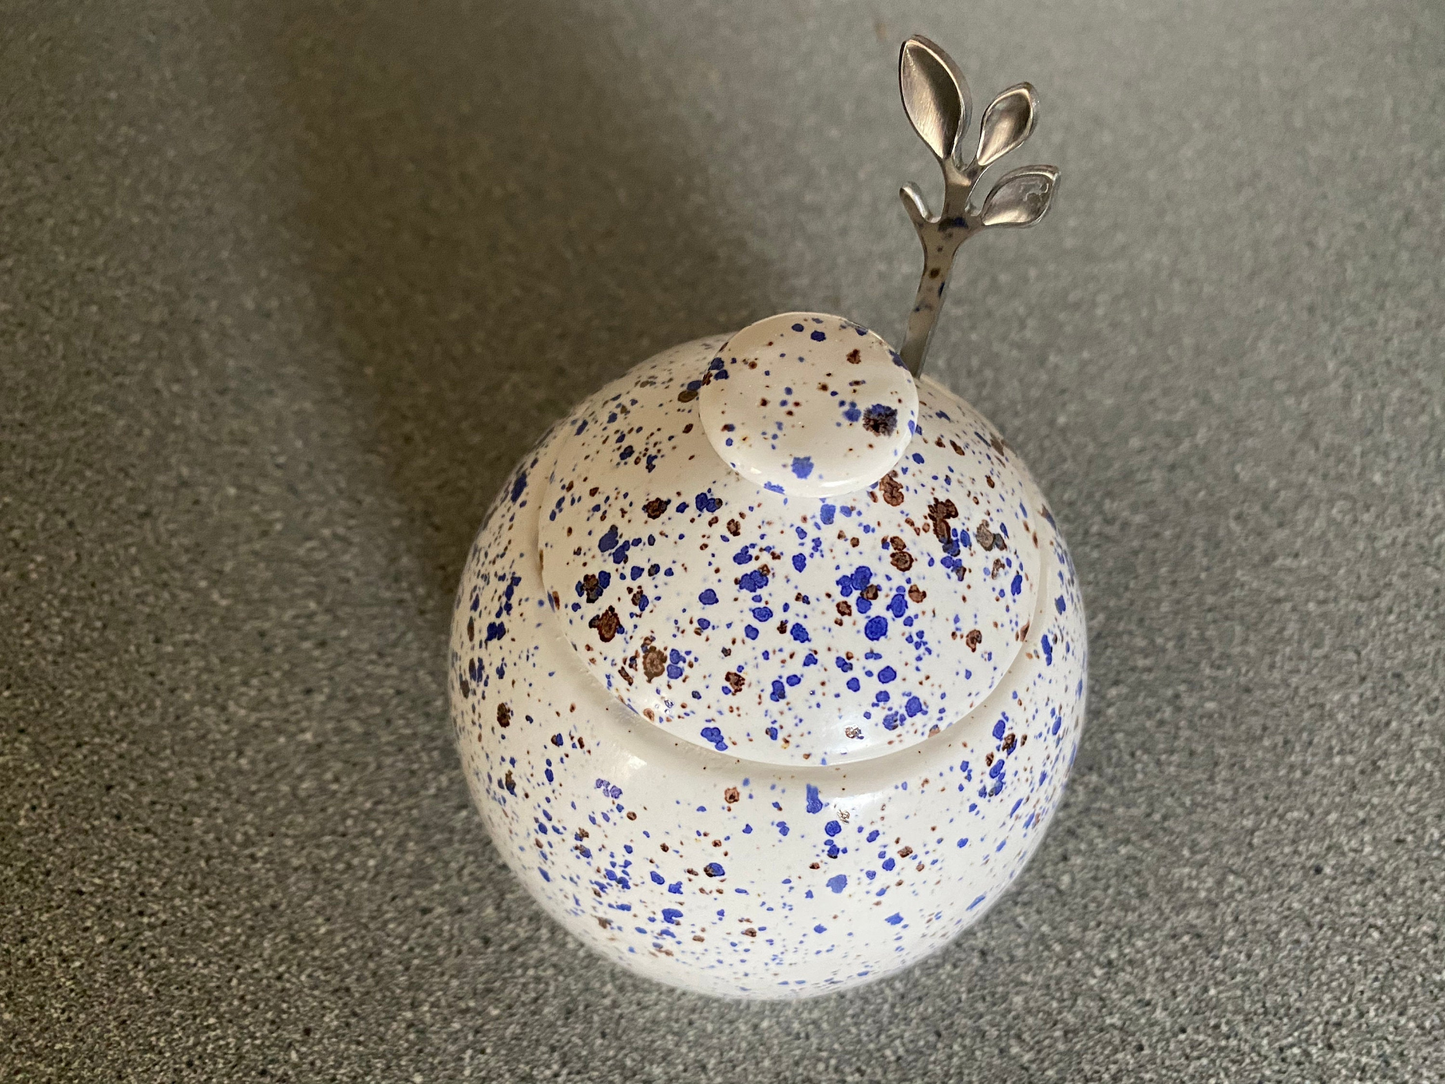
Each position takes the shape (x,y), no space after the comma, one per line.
(826,512)
(1059,604)
(832,828)
(714,735)
(894,919)
(521,484)
(799,633)
(1017,586)
(802,465)
(708,597)
(671,914)
(609,540)
(755,580)
(1048,651)
(876,629)
(713,869)
(817,336)
(887,674)
(838,882)
(815,804)
(658,878)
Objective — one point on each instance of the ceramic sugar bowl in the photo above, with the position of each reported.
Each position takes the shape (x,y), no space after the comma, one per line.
(768,664)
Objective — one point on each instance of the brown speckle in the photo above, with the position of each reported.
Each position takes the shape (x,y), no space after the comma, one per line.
(845,608)
(654,662)
(687,395)
(891,488)
(471,630)
(606,623)
(973,639)
(870,592)
(940,512)
(592,588)
(916,594)
(905,852)
(504,715)
(731,795)
(655,507)
(855,357)
(736,680)
(881,421)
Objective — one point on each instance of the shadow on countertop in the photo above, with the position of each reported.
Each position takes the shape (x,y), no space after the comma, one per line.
(494,227)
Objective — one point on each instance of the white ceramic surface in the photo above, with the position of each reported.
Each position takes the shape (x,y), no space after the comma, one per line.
(782,811)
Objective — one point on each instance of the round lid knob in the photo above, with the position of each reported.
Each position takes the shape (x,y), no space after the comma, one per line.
(809,405)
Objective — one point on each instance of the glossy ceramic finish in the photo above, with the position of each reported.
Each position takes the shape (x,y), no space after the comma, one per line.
(709,854)
(788,630)
(809,405)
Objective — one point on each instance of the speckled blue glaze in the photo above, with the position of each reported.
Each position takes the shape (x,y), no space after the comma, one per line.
(681,839)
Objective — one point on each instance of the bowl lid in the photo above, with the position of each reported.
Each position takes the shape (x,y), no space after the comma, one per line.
(853,572)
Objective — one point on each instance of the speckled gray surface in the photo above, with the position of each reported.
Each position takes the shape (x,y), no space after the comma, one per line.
(284,290)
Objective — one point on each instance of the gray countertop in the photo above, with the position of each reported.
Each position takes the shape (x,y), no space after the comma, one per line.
(284,291)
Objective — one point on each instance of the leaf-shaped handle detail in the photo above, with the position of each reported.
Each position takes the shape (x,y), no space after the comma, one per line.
(1020,198)
(913,203)
(935,95)
(1007,122)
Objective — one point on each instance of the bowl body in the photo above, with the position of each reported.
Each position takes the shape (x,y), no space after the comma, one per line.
(735,877)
